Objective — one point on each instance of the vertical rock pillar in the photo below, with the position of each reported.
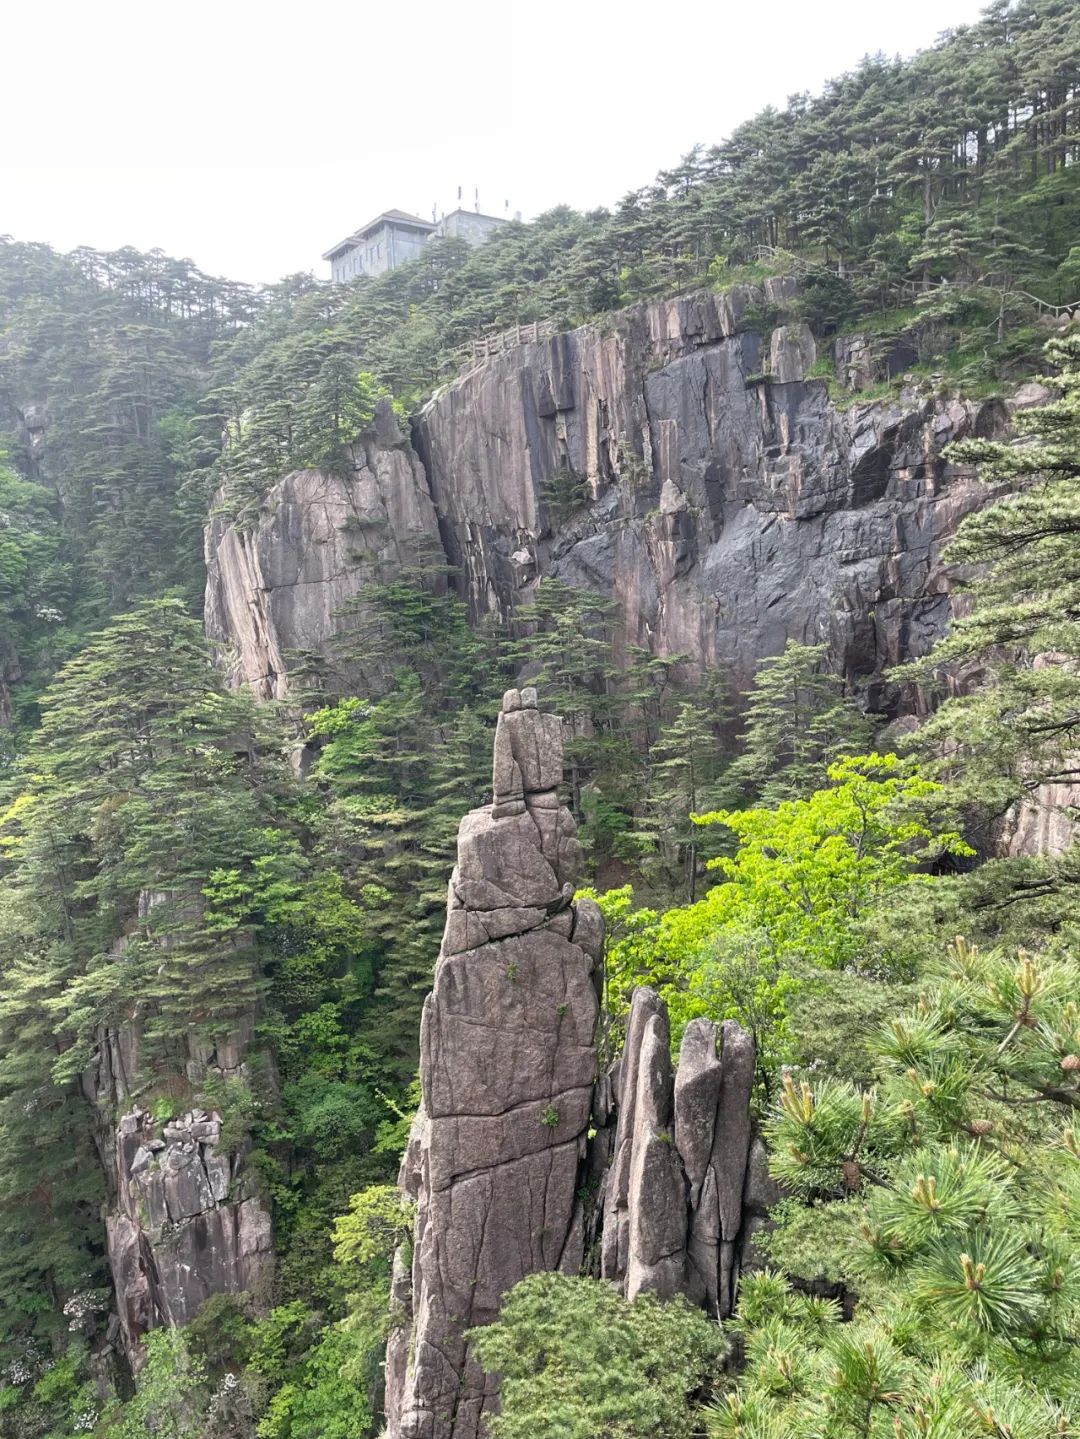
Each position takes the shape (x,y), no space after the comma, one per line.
(673,1196)
(507,1066)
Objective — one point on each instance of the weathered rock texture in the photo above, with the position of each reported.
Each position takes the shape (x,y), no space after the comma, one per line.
(732,508)
(184,1221)
(732,505)
(507,1065)
(673,1198)
(498,1159)
(278,587)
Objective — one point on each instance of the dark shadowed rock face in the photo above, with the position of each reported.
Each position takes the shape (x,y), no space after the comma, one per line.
(733,505)
(507,1065)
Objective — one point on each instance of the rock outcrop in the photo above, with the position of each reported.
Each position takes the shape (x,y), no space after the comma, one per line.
(278,587)
(673,1199)
(185,1218)
(187,1224)
(665,1196)
(730,508)
(507,1065)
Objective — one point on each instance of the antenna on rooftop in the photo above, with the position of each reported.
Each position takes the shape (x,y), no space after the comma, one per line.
(476,199)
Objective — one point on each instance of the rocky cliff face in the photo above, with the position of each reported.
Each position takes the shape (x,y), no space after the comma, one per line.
(278,588)
(678,1214)
(500,1160)
(677,457)
(732,505)
(185,1219)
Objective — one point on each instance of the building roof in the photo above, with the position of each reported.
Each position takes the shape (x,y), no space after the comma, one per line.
(402,217)
(461,210)
(398,217)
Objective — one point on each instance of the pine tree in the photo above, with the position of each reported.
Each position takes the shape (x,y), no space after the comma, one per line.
(949,1199)
(798,721)
(143,780)
(1019,728)
(684,765)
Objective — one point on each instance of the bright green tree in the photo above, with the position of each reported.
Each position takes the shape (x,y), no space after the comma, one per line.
(805,872)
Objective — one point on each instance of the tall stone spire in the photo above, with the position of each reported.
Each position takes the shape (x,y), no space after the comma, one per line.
(507,1067)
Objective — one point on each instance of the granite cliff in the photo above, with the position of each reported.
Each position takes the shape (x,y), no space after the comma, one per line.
(679,457)
(184,1218)
(277,588)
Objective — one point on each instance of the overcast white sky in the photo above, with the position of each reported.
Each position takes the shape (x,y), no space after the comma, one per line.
(252,136)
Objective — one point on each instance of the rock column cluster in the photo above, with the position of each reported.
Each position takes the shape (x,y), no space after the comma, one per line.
(673,1195)
(507,1179)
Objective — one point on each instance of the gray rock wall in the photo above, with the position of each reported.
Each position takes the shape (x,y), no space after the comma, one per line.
(184,1220)
(731,505)
(731,508)
(279,586)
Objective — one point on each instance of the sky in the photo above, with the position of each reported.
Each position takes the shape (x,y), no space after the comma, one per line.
(251,137)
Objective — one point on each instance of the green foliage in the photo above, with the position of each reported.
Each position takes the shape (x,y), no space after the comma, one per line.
(798,720)
(1017,730)
(804,872)
(143,778)
(801,894)
(318,1400)
(378,1220)
(104,358)
(173,1393)
(950,1199)
(579,1362)
(327,1379)
(685,765)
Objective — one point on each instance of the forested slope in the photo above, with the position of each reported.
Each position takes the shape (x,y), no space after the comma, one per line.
(235,905)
